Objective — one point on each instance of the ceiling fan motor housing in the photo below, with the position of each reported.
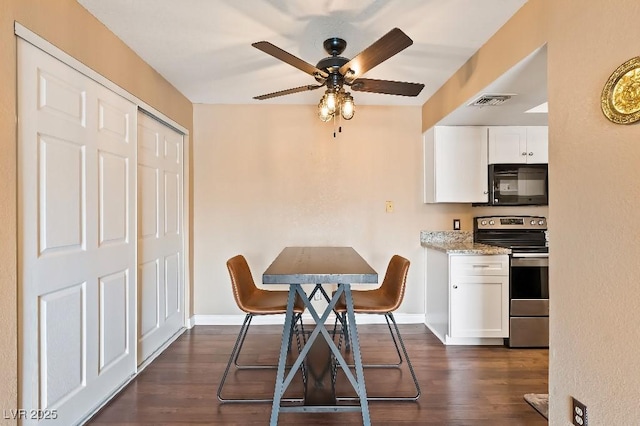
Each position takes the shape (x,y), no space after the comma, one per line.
(331,65)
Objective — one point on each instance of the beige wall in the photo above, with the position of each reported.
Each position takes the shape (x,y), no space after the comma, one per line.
(266,177)
(595,203)
(70,27)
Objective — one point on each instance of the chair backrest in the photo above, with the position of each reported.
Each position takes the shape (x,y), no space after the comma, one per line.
(395,280)
(241,280)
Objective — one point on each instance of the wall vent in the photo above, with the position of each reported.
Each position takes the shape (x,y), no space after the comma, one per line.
(493,99)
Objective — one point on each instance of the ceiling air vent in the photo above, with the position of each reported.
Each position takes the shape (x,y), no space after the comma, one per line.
(491,99)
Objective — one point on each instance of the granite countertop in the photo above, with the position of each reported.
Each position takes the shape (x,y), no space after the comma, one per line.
(457,242)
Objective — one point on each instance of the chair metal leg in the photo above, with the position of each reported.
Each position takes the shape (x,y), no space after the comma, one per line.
(341,335)
(233,359)
(347,340)
(241,336)
(389,316)
(413,373)
(297,317)
(300,345)
(395,343)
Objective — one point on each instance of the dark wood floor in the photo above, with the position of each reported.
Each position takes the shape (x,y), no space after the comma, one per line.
(461,385)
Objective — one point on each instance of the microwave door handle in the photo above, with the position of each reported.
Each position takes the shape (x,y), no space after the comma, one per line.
(492,192)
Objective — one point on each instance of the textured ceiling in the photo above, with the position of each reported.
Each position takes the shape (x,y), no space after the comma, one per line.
(203,47)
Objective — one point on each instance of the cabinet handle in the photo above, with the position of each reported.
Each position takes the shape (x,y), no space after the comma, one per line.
(524,153)
(531,153)
(455,286)
(481,266)
(485,192)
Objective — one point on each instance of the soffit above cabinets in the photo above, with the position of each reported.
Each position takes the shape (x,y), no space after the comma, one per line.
(526,85)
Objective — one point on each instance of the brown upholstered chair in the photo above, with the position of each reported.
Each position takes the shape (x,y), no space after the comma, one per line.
(254,301)
(383,301)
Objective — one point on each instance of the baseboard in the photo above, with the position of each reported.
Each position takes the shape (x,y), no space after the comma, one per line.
(474,341)
(279,319)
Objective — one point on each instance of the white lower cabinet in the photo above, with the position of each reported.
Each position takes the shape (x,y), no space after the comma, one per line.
(479,296)
(468,297)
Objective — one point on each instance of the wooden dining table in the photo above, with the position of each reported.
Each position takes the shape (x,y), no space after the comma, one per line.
(320,266)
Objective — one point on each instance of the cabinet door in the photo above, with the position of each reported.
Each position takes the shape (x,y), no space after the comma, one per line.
(456,164)
(537,144)
(507,144)
(479,306)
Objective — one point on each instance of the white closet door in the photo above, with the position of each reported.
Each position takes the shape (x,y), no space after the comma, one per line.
(160,256)
(77,230)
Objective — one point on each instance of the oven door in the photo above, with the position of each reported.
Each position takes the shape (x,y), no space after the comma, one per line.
(529,304)
(529,285)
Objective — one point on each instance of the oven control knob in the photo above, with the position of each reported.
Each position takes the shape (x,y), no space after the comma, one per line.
(484,222)
(541,222)
(491,222)
(533,222)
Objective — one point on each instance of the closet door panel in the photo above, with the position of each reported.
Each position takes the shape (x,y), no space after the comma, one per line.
(76,198)
(160,259)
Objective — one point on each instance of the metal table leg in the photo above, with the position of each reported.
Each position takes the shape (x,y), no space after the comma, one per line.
(353,331)
(283,382)
(279,389)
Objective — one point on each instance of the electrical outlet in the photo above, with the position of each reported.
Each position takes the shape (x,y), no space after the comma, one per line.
(579,413)
(317,296)
(456,224)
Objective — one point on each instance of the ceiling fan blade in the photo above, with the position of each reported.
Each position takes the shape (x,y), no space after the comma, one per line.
(287,57)
(288,91)
(387,87)
(388,45)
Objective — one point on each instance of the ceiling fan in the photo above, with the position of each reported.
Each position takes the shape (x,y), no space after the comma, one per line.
(335,72)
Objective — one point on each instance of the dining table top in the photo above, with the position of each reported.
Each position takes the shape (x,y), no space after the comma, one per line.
(314,265)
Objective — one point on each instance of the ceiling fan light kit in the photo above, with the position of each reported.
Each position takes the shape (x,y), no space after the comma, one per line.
(337,72)
(335,103)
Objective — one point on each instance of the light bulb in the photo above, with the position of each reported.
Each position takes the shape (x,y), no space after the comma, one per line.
(348,107)
(323,112)
(330,101)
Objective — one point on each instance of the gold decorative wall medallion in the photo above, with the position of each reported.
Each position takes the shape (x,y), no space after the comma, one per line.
(620,98)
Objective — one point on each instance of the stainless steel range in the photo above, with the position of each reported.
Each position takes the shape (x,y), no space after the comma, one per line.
(528,276)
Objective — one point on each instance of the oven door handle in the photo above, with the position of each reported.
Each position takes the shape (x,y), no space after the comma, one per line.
(540,255)
(530,261)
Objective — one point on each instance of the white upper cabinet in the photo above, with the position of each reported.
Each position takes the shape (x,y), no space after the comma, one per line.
(537,144)
(518,144)
(455,164)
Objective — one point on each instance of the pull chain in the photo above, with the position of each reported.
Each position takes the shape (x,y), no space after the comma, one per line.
(334,125)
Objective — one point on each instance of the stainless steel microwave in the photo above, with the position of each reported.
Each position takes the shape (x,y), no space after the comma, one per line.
(518,185)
